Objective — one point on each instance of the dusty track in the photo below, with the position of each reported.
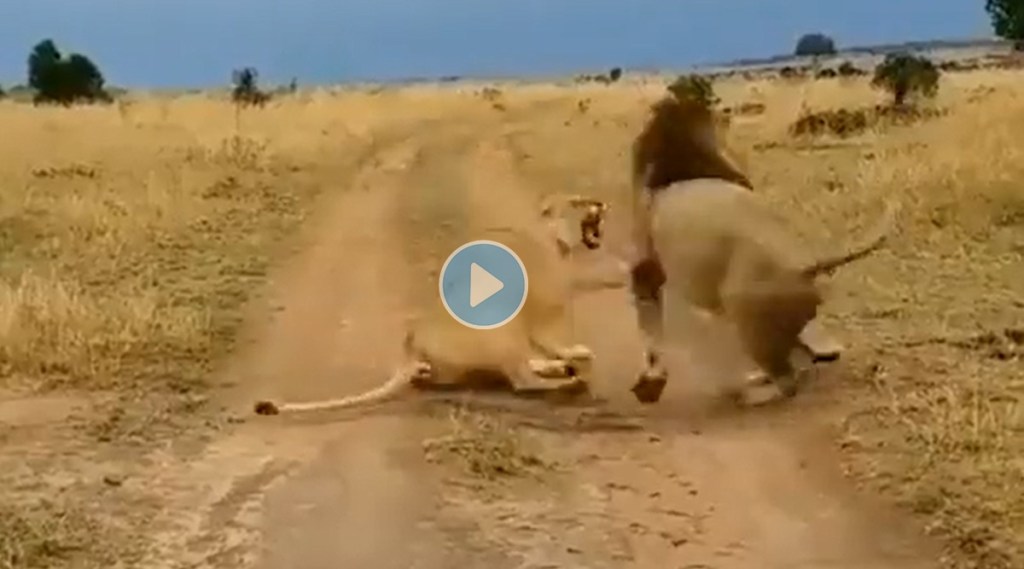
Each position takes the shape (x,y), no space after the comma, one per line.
(674,487)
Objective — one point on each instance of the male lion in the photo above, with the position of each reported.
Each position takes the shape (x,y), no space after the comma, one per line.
(441,353)
(678,143)
(716,246)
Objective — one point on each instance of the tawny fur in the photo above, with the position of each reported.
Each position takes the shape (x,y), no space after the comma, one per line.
(725,251)
(704,240)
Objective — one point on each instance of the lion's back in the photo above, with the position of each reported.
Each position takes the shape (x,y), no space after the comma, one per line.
(718,211)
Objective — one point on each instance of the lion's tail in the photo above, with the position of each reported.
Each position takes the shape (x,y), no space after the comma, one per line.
(875,242)
(393,386)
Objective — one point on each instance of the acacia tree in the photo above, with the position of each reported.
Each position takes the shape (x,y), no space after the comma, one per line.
(815,44)
(1007,19)
(246,90)
(41,62)
(903,74)
(65,81)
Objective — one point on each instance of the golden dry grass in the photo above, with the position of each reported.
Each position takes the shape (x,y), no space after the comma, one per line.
(132,234)
(131,237)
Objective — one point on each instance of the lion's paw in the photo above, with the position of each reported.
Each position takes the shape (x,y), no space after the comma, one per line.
(650,385)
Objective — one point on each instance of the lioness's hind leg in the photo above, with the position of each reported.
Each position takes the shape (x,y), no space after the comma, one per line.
(769,318)
(576,359)
(540,378)
(548,337)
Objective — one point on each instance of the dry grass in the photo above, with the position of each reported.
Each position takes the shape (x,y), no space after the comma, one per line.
(119,265)
(131,237)
(938,419)
(484,446)
(47,535)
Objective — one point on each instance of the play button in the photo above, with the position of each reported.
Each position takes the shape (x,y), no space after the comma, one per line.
(483,284)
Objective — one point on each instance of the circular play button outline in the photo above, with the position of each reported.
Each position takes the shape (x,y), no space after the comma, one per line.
(504,249)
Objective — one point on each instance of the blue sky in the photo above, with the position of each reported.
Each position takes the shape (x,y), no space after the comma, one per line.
(196,43)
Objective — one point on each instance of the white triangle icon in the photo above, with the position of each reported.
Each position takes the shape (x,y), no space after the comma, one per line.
(482,285)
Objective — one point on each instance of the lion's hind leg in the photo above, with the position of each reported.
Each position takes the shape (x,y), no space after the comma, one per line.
(769,317)
(821,345)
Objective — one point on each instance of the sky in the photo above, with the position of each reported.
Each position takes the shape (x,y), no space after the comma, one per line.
(196,43)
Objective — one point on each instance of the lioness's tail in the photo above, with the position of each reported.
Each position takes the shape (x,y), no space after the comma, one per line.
(879,236)
(398,381)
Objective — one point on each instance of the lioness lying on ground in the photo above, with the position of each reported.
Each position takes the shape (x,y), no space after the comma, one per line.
(704,239)
(441,353)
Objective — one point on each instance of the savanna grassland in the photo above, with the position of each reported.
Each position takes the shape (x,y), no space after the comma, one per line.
(137,241)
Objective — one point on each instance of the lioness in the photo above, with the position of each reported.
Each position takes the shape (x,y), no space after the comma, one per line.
(714,245)
(441,353)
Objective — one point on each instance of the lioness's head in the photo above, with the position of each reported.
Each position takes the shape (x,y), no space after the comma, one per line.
(566,216)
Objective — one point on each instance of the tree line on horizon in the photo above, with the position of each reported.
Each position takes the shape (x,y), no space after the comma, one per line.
(68,79)
(1007,21)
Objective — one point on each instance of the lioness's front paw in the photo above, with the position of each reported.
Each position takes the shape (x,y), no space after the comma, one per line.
(650,385)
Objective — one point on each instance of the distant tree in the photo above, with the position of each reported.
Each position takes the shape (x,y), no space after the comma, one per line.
(815,44)
(615,74)
(41,62)
(903,74)
(1007,19)
(694,87)
(64,81)
(246,90)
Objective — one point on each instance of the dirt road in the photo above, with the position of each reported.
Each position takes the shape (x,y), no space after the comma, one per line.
(669,486)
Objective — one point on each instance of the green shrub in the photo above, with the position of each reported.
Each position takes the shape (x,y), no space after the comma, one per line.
(904,75)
